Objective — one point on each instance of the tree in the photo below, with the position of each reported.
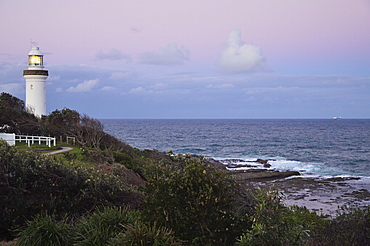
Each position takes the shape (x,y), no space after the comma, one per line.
(62,122)
(194,199)
(66,122)
(14,115)
(90,132)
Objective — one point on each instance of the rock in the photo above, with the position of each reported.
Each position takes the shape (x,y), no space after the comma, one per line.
(263,174)
(239,165)
(264,162)
(261,161)
(267,165)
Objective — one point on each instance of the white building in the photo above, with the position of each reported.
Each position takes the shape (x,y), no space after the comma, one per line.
(36,82)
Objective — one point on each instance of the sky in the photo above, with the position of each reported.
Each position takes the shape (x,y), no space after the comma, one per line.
(145,59)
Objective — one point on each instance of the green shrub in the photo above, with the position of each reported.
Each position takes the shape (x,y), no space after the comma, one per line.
(194,199)
(45,231)
(140,234)
(70,156)
(103,224)
(351,226)
(275,224)
(123,159)
(31,183)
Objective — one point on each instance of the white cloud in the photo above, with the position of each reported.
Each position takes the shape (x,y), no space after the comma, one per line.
(159,86)
(72,81)
(113,54)
(150,89)
(12,88)
(137,90)
(58,89)
(54,78)
(239,57)
(108,88)
(87,85)
(170,55)
(278,90)
(221,86)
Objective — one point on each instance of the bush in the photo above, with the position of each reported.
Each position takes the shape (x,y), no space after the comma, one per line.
(45,231)
(194,199)
(31,183)
(129,162)
(275,224)
(140,234)
(104,224)
(350,227)
(123,159)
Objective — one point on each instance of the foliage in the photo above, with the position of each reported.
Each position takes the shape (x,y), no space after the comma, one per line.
(15,117)
(61,122)
(31,183)
(351,226)
(142,234)
(123,159)
(275,224)
(44,231)
(192,198)
(87,131)
(104,224)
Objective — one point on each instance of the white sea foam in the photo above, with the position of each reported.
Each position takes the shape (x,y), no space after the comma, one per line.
(282,164)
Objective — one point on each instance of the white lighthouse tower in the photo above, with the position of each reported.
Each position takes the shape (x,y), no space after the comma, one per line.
(36,82)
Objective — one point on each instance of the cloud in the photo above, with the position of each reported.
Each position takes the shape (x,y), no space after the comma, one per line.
(221,86)
(12,88)
(87,85)
(108,88)
(113,54)
(159,86)
(239,57)
(137,90)
(275,90)
(166,56)
(54,78)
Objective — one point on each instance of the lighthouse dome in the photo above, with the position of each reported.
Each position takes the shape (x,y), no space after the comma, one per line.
(35,51)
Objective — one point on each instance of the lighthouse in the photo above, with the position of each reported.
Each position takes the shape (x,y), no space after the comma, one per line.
(36,77)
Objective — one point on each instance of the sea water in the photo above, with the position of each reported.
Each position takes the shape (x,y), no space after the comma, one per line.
(321,148)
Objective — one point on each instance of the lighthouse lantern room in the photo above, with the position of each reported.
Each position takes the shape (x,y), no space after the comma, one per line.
(36,82)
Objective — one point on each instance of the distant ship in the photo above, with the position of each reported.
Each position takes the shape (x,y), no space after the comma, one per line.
(337,118)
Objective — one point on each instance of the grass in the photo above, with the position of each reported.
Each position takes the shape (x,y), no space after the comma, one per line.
(71,158)
(22,146)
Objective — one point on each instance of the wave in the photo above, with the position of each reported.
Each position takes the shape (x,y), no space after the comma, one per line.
(307,169)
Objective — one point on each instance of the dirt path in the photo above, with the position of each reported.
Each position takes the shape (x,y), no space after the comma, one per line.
(64,149)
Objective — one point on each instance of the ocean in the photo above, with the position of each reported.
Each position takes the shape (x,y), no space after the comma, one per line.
(318,148)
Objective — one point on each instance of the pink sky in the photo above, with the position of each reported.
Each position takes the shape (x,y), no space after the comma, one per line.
(147,39)
(80,28)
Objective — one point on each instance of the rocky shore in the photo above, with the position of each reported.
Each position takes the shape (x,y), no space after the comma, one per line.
(323,195)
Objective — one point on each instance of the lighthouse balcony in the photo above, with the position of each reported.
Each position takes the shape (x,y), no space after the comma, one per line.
(36,72)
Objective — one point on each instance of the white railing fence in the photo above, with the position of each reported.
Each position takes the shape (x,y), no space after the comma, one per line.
(11,138)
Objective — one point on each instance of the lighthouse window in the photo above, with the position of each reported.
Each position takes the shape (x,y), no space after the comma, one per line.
(31,87)
(35,60)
